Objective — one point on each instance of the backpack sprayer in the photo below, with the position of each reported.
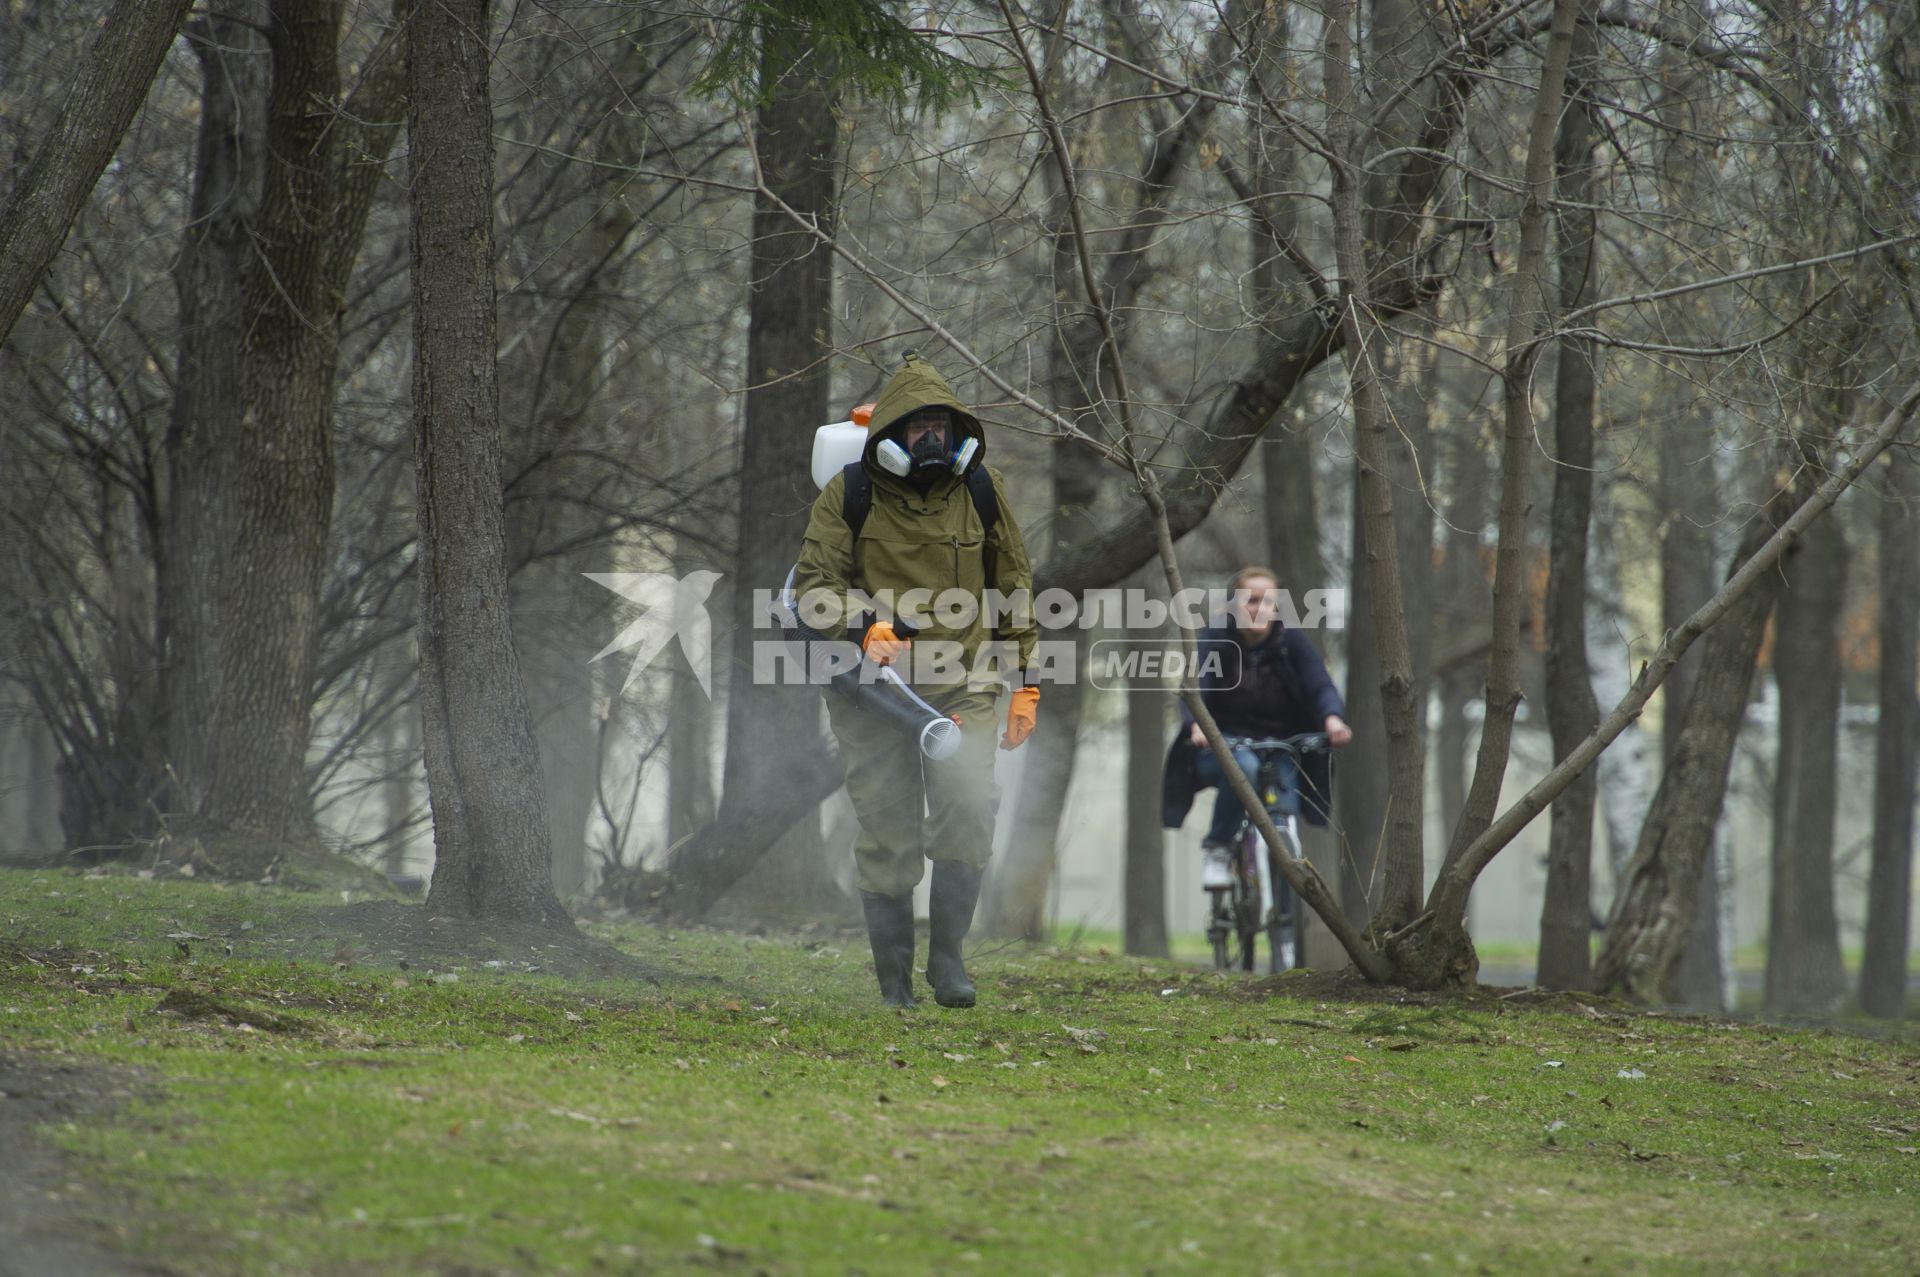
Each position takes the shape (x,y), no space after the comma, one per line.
(877,688)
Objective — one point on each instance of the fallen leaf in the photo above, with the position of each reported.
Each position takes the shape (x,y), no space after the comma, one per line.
(938,1082)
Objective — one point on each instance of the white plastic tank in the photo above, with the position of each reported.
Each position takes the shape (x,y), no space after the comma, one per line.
(839,445)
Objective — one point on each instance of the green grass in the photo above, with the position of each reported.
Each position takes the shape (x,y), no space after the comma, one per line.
(758,1110)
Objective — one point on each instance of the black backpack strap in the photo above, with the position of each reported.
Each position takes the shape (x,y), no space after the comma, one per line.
(986,502)
(856,498)
(985,499)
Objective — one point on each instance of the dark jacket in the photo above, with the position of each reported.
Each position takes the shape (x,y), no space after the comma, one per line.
(1277,687)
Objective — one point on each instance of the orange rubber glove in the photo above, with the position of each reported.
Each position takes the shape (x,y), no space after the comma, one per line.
(882,645)
(1020,717)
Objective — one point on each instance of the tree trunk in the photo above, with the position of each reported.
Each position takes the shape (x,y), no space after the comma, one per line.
(553,537)
(1362,803)
(1412,388)
(1625,771)
(1883,968)
(1085,382)
(283,473)
(561,628)
(1527,316)
(1287,453)
(1460,609)
(689,758)
(1567,908)
(1805,973)
(1442,952)
(1654,905)
(789,337)
(491,839)
(112,83)
(1365,800)
(322,163)
(1376,549)
(1689,501)
(1015,904)
(1688,486)
(1293,513)
(1144,906)
(209,378)
(396,792)
(1883,971)
(1663,933)
(1016,897)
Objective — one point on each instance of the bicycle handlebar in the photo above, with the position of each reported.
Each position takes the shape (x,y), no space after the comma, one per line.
(1299,746)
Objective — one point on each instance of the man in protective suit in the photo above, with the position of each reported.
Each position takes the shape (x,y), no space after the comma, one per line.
(920,512)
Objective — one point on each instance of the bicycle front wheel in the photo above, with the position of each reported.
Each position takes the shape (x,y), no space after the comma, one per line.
(1283,927)
(1219,930)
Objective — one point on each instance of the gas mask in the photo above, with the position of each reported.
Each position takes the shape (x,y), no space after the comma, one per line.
(932,451)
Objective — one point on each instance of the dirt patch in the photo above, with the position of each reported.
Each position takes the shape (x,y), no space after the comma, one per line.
(52,1222)
(394,933)
(1348,985)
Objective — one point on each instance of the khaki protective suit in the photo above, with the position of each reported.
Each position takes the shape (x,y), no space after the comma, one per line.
(910,810)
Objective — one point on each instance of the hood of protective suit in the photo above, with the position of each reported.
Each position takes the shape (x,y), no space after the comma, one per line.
(918,385)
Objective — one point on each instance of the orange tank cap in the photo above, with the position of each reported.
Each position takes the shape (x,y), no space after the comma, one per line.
(863,415)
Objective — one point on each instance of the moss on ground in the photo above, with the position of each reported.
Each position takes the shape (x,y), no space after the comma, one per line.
(754,1109)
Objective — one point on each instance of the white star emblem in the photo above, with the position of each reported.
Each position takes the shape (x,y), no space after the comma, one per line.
(676,607)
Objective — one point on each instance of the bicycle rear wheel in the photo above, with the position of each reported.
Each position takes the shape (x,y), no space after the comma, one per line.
(1246,915)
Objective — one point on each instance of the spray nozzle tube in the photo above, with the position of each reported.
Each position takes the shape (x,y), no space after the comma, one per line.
(838,665)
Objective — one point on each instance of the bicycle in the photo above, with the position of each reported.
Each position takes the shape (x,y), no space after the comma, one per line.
(1257,897)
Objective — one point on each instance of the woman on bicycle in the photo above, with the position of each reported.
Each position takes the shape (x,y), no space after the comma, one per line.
(1270,682)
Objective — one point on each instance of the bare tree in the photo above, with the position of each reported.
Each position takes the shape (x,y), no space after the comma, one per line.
(1805,973)
(112,83)
(1883,971)
(321,172)
(1567,908)
(491,841)
(229,182)
(1143,909)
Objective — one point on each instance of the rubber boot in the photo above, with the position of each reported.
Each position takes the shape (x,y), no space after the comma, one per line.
(890,932)
(956,889)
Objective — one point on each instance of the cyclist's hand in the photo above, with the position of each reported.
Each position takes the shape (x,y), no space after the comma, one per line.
(1020,717)
(882,645)
(1198,737)
(1338,733)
